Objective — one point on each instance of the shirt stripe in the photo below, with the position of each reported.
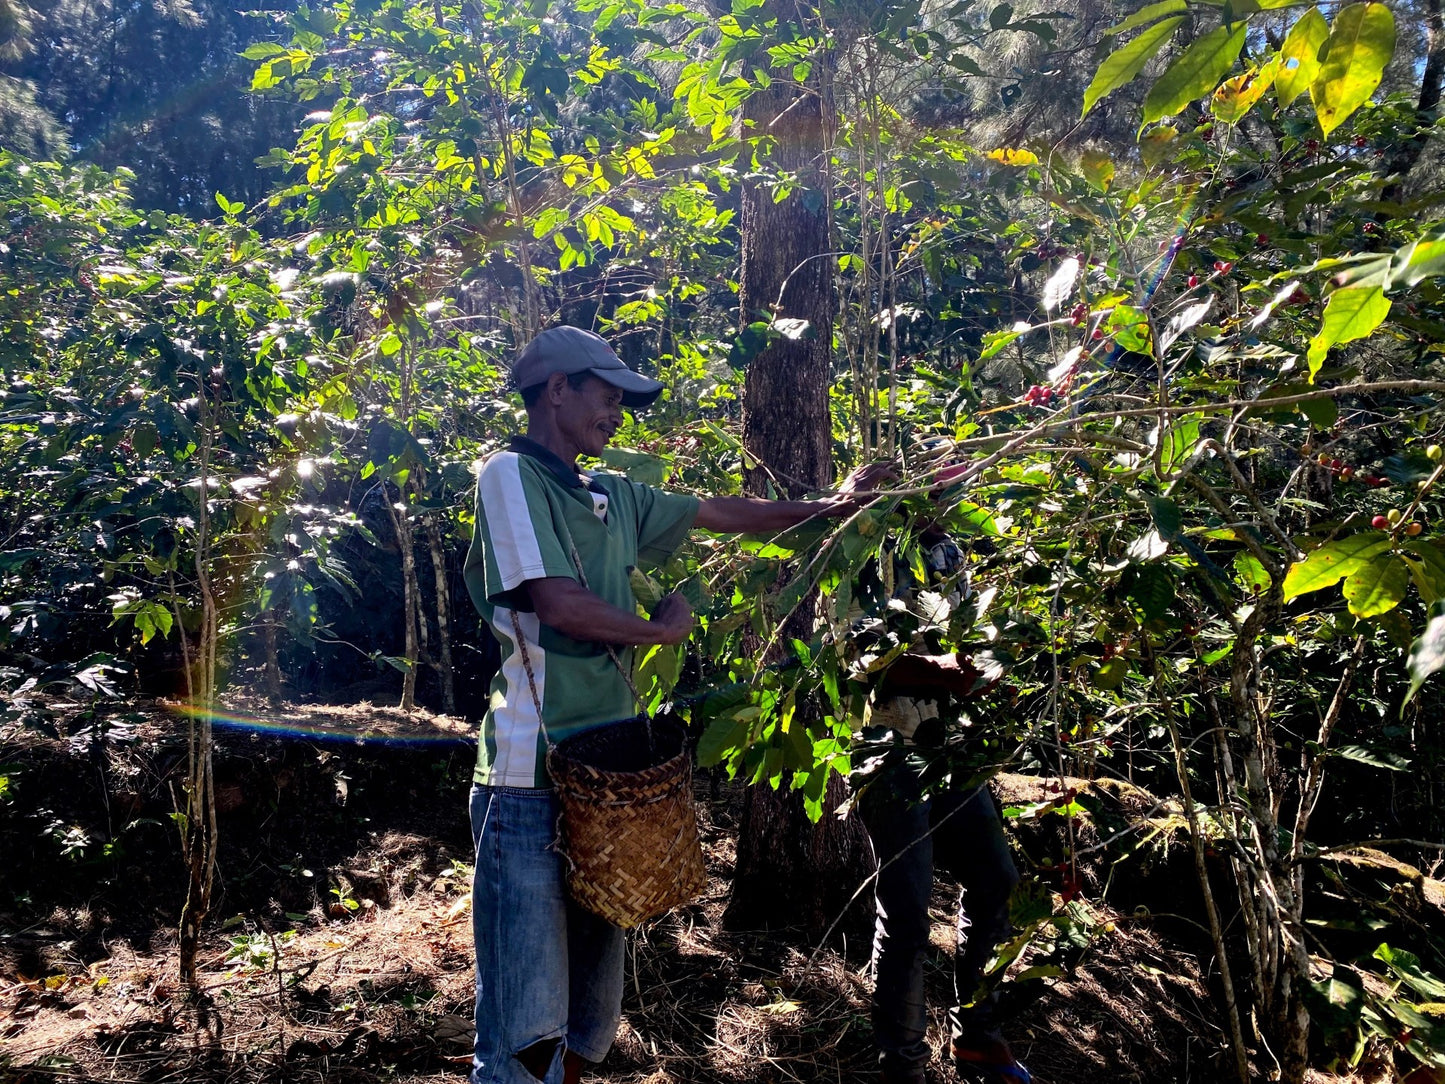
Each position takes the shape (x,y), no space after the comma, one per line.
(517,724)
(509,520)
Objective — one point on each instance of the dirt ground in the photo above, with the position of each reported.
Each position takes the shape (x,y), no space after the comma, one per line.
(340,950)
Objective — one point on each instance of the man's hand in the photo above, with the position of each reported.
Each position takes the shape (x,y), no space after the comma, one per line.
(863,483)
(753,515)
(673,616)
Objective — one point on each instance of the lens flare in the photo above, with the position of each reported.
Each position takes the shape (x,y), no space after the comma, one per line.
(408,733)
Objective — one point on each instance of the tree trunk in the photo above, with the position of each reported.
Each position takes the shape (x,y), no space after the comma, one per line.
(787,274)
(198,824)
(411,598)
(790,871)
(444,635)
(1282,964)
(272,670)
(1408,153)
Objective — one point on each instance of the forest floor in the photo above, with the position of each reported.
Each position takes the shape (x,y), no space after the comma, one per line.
(340,950)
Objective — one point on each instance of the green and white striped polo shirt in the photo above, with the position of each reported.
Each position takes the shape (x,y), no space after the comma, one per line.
(531,510)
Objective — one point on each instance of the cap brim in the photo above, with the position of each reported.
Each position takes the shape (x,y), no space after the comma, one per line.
(637,390)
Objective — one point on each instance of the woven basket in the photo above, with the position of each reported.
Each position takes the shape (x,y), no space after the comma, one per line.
(628,829)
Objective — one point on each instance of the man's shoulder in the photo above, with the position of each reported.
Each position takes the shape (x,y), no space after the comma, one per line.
(507,467)
(509,483)
(502,460)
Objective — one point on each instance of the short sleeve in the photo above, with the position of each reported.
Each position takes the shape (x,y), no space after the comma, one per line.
(663,520)
(516,537)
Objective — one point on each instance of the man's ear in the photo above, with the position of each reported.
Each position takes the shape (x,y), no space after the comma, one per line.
(555,383)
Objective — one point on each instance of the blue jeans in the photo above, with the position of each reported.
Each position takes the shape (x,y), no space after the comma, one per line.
(960,833)
(548,972)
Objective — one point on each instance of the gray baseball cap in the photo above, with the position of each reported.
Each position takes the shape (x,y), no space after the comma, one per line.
(573,350)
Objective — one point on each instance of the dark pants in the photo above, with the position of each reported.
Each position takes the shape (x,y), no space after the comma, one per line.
(966,841)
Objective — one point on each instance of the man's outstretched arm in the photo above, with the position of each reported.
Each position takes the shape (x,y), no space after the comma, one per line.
(755,515)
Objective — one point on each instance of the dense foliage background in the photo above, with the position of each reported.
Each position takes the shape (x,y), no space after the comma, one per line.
(1167,279)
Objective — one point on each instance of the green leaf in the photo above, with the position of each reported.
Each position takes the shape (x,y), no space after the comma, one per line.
(1098,169)
(1427,653)
(1322,413)
(269,74)
(1364,269)
(1418,261)
(646,590)
(720,739)
(1236,97)
(1353,60)
(1391,762)
(1218,653)
(1153,592)
(1167,517)
(1124,64)
(11,560)
(1332,562)
(1251,573)
(1147,14)
(1157,143)
(995,341)
(969,518)
(643,467)
(144,439)
(1196,72)
(1150,546)
(655,675)
(1129,327)
(1177,443)
(1377,586)
(1351,313)
(1407,966)
(1345,1002)
(1300,56)
(263,49)
(1430,572)
(1112,673)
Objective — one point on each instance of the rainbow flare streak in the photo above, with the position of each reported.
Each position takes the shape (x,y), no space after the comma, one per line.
(311,731)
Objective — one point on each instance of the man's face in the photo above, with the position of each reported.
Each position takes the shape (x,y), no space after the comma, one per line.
(590,416)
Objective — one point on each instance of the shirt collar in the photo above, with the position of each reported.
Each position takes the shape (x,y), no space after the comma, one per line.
(551,460)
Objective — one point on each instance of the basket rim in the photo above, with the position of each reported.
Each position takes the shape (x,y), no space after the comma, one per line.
(659,723)
(562,760)
(570,776)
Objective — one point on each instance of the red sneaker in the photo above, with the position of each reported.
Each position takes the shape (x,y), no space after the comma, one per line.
(987,1059)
